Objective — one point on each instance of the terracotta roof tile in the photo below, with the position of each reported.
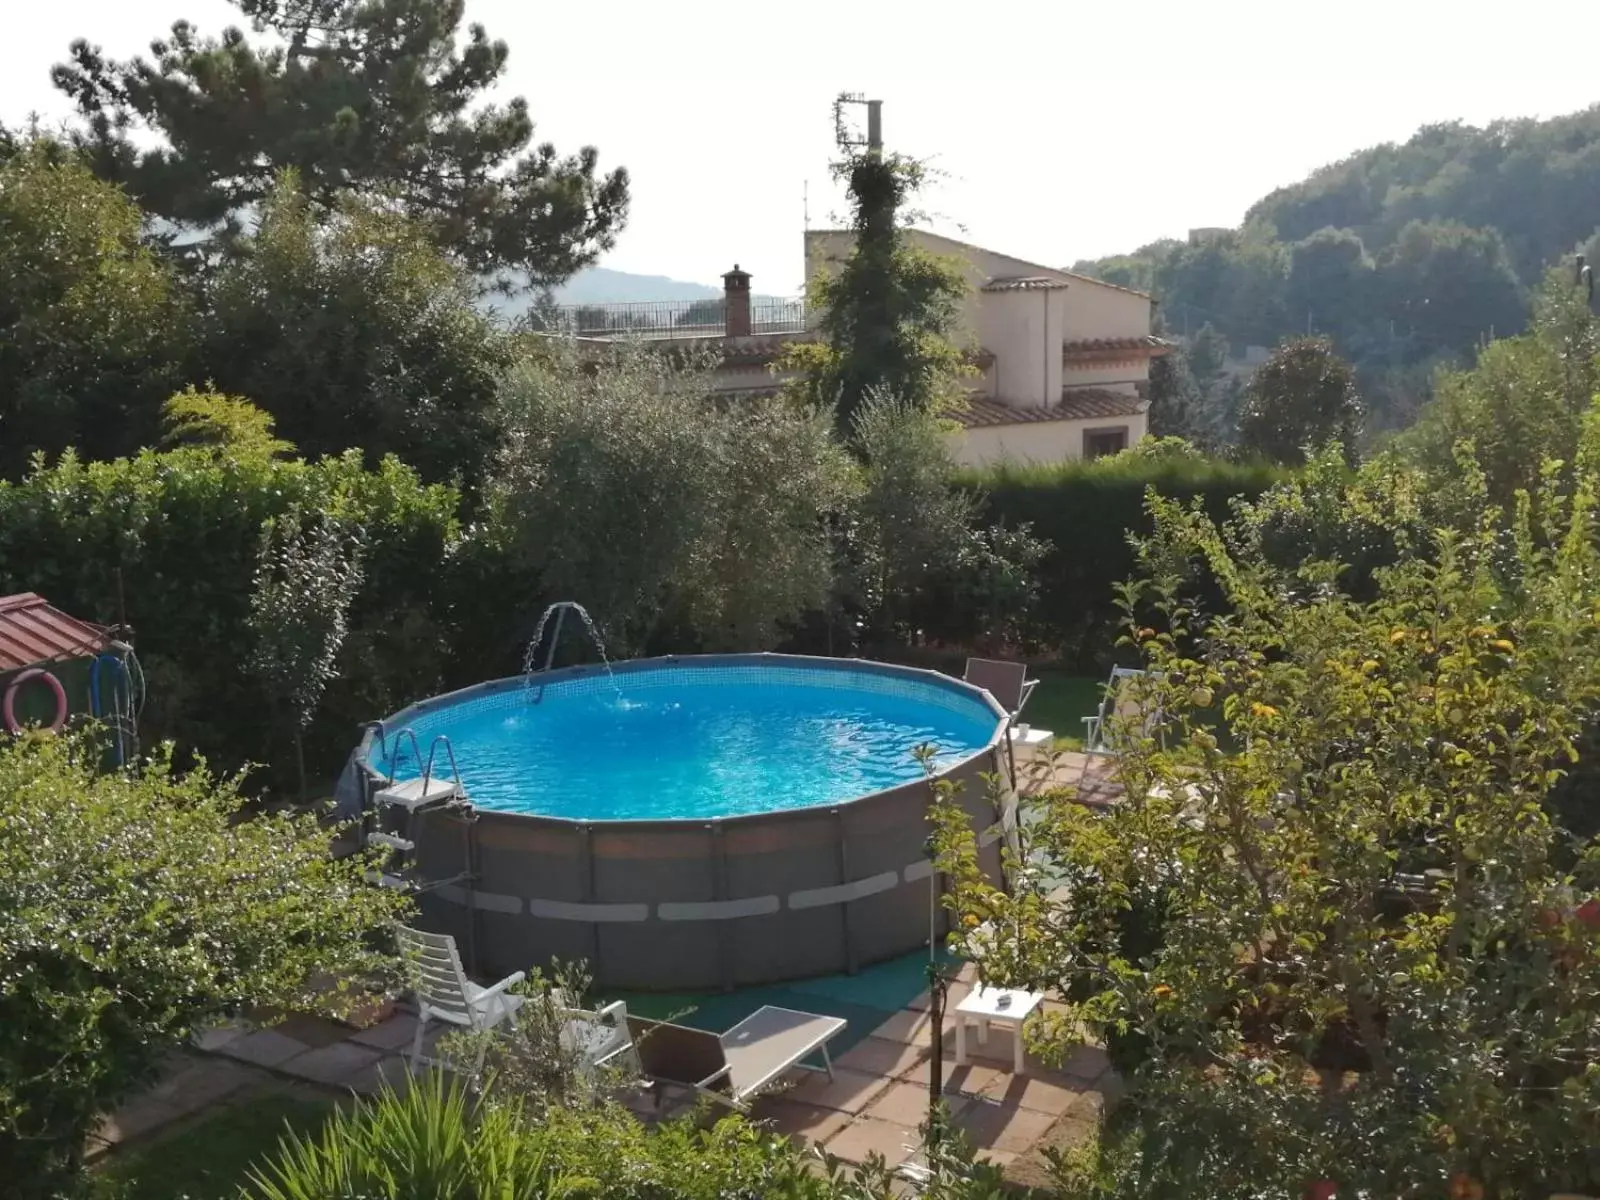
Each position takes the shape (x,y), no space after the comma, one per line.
(1026,283)
(32,633)
(1144,343)
(1106,283)
(1080,404)
(758,348)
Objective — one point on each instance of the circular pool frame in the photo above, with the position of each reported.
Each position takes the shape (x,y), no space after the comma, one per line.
(697,903)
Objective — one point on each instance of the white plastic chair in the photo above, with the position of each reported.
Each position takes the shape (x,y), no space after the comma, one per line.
(1119,701)
(601,1036)
(444,993)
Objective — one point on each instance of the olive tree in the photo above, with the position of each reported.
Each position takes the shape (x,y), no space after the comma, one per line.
(629,489)
(135,907)
(1334,932)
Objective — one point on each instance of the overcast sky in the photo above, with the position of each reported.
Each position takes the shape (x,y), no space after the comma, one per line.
(1065,130)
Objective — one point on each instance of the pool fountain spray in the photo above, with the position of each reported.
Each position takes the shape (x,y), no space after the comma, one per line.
(561,607)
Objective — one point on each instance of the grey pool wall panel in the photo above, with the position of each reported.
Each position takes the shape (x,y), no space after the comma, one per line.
(682,905)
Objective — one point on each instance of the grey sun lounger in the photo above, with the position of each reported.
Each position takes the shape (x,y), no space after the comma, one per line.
(733,1067)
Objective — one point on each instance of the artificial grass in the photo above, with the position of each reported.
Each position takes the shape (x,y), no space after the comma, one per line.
(209,1159)
(865,1000)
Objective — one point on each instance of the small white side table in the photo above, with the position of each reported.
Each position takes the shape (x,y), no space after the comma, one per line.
(1032,744)
(1003,1006)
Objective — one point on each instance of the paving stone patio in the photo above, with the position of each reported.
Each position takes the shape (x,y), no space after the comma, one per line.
(874,1104)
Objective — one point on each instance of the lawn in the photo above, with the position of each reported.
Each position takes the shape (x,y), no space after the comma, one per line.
(1061,702)
(209,1158)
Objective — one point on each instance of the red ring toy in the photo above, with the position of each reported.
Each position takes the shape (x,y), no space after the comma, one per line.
(8,708)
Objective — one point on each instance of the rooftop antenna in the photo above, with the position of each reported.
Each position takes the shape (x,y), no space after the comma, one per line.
(846,137)
(805,203)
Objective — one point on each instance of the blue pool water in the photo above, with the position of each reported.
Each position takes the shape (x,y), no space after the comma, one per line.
(695,742)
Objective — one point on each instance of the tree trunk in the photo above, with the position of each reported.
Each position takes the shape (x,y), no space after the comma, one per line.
(300,761)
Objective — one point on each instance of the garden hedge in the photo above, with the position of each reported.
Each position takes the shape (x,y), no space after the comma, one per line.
(170,540)
(1085,512)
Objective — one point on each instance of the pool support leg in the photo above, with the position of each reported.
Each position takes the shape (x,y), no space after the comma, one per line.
(850,965)
(719,891)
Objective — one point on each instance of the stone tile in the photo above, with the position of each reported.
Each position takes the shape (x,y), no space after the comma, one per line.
(1087,1063)
(1001,1127)
(874,1056)
(336,1065)
(848,1091)
(203,1082)
(265,1048)
(313,1031)
(907,1026)
(214,1039)
(808,1122)
(1043,1092)
(394,1034)
(971,1079)
(997,1158)
(864,1137)
(392,1072)
(994,1050)
(139,1117)
(903,1103)
(954,995)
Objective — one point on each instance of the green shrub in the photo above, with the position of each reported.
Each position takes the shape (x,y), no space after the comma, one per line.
(1085,512)
(134,909)
(171,540)
(435,1142)
(94,330)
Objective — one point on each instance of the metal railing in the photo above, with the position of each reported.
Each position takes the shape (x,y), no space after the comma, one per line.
(669,318)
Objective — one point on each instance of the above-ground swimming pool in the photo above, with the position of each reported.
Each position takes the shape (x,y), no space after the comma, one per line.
(693,742)
(694,822)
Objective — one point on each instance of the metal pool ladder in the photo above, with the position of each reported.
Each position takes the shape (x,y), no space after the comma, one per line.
(402,802)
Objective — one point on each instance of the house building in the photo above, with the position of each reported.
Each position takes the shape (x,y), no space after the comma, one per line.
(1062,360)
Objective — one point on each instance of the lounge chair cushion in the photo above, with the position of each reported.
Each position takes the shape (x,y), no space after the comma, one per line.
(678,1054)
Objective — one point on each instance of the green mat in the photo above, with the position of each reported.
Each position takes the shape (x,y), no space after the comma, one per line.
(865,1000)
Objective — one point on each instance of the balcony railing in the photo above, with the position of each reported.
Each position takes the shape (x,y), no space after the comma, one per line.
(669,318)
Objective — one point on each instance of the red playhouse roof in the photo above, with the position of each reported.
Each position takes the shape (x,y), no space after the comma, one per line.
(32,633)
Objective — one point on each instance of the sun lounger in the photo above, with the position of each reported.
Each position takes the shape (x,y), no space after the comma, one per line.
(733,1067)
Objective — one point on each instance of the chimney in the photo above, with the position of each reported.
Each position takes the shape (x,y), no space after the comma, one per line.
(736,302)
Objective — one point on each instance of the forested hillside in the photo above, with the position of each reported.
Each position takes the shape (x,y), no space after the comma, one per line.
(1404,254)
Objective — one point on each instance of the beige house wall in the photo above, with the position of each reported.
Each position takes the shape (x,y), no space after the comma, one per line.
(1019,329)
(827,250)
(1097,310)
(1084,309)
(1035,441)
(1118,376)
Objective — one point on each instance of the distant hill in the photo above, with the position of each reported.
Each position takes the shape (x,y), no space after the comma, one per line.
(602,285)
(1405,254)
(599,286)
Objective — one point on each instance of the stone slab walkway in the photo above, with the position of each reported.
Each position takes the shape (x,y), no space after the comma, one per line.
(1093,777)
(879,1096)
(874,1104)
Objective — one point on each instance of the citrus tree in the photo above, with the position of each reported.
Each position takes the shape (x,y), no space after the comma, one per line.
(1333,933)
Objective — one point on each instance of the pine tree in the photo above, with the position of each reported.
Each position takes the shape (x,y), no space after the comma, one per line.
(372,96)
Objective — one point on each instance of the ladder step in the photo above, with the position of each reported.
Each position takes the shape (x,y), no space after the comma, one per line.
(412,794)
(395,883)
(390,840)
